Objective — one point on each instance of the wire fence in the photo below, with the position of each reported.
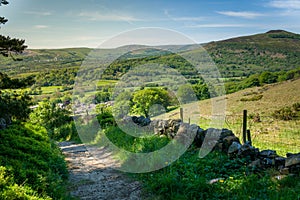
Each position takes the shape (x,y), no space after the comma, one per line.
(268,132)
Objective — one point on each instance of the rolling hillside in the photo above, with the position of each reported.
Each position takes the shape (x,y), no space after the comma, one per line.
(39,60)
(273,97)
(242,56)
(271,51)
(268,132)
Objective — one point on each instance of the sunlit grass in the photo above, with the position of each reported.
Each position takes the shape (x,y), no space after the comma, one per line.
(270,133)
(50,89)
(106,82)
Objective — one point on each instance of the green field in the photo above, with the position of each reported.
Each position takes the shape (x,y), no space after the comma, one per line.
(270,133)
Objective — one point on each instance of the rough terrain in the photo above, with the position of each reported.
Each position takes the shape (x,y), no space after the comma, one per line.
(92,179)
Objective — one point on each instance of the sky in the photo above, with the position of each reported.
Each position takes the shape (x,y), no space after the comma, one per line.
(88,23)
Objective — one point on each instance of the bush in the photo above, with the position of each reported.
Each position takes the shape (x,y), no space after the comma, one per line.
(10,190)
(105,116)
(285,113)
(56,120)
(15,105)
(65,132)
(252,98)
(34,160)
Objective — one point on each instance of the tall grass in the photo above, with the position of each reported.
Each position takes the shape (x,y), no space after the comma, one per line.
(213,177)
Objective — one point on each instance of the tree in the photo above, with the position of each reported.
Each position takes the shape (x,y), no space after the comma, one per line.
(202,91)
(186,94)
(9,46)
(267,77)
(14,105)
(144,99)
(5,81)
(122,105)
(50,115)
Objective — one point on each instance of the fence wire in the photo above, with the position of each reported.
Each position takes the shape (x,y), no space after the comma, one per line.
(268,132)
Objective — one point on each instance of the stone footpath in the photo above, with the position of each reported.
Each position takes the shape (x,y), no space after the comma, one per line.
(92,179)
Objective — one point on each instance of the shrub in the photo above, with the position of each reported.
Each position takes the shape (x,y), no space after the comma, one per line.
(296,107)
(252,98)
(34,160)
(10,190)
(105,117)
(285,113)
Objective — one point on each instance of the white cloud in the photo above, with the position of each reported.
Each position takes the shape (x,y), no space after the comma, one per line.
(285,4)
(242,14)
(96,16)
(188,18)
(166,12)
(40,26)
(38,13)
(217,26)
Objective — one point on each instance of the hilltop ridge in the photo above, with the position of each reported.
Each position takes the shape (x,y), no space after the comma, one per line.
(274,50)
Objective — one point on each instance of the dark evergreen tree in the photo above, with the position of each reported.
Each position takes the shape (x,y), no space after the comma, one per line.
(13,105)
(8,45)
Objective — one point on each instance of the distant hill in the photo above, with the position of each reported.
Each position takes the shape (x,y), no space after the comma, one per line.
(274,50)
(40,60)
(265,105)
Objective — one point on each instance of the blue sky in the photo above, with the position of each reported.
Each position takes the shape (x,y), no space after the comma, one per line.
(78,23)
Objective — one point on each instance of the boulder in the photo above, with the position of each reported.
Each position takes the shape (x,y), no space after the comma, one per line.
(212,138)
(225,133)
(268,154)
(279,162)
(227,142)
(268,162)
(199,138)
(234,147)
(2,123)
(247,150)
(219,146)
(161,127)
(285,171)
(141,120)
(213,134)
(187,133)
(293,159)
(292,154)
(172,127)
(255,164)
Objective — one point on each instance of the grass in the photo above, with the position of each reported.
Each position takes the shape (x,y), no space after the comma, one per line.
(189,177)
(31,166)
(212,177)
(270,133)
(106,82)
(50,89)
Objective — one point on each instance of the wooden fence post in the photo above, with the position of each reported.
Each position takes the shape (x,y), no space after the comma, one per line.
(181,114)
(249,137)
(244,126)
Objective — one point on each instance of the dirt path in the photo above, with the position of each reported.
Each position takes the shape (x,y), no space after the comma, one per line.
(95,178)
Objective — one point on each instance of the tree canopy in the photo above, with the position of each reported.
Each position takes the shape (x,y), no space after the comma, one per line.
(12,104)
(144,99)
(8,45)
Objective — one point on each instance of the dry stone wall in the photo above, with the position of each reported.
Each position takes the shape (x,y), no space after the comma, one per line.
(225,141)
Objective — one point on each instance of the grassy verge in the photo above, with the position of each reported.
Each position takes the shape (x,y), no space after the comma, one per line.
(216,177)
(213,177)
(31,166)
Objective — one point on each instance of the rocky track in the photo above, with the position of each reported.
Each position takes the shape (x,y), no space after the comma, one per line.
(92,179)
